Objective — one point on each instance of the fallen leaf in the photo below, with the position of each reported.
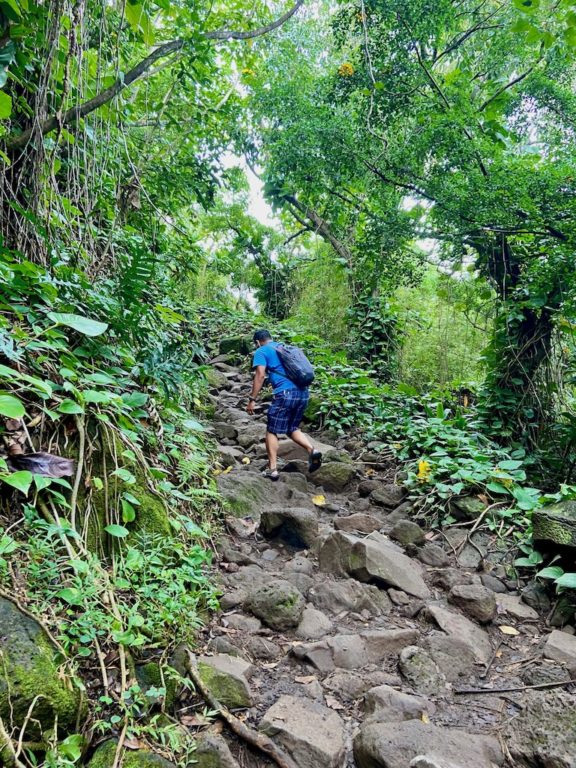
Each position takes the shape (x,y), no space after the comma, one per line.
(319,500)
(227,470)
(133,744)
(508,630)
(270,665)
(369,472)
(305,679)
(332,702)
(245,460)
(424,717)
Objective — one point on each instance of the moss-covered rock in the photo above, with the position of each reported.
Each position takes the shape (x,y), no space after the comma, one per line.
(140,758)
(150,675)
(467,507)
(278,603)
(216,379)
(213,752)
(313,409)
(333,476)
(226,678)
(556,523)
(235,345)
(27,671)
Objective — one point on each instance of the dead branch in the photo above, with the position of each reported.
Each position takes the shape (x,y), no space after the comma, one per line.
(540,686)
(252,737)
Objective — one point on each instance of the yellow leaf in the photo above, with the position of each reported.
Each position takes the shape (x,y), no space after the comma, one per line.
(216,472)
(319,500)
(245,460)
(227,470)
(424,717)
(508,630)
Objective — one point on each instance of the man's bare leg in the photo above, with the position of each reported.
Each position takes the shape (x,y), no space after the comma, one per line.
(300,439)
(272,449)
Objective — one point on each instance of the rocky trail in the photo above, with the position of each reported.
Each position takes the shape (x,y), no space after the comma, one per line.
(350,635)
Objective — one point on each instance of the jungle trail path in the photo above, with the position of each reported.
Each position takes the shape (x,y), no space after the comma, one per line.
(351,636)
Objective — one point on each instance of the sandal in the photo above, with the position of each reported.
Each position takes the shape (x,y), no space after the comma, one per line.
(271,474)
(314,461)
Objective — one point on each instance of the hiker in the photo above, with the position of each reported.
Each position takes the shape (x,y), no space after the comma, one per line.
(288,406)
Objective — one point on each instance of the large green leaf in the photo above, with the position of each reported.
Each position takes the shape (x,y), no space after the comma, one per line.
(19,480)
(567,581)
(84,325)
(118,531)
(11,407)
(5,105)
(69,406)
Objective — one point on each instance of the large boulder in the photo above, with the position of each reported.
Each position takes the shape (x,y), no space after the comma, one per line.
(312,734)
(297,527)
(213,752)
(556,523)
(385,704)
(396,745)
(349,595)
(389,496)
(560,646)
(278,603)
(543,733)
(30,679)
(372,559)
(421,671)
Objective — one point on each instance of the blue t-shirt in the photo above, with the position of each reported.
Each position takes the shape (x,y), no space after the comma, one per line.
(268,356)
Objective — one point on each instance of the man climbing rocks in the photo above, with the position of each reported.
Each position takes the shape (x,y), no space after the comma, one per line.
(288,405)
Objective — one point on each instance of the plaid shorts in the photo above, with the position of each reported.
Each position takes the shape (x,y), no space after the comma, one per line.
(286,411)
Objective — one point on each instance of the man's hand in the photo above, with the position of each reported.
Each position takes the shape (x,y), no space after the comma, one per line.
(250,407)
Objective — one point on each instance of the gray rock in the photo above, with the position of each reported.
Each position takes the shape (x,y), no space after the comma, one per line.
(453,657)
(301,581)
(560,646)
(224,431)
(475,600)
(295,480)
(310,732)
(514,606)
(248,439)
(223,645)
(235,346)
(433,555)
(387,705)
(544,673)
(543,733)
(243,623)
(398,597)
(300,564)
(28,668)
(358,522)
(493,583)
(373,559)
(279,604)
(450,577)
(313,625)
(366,487)
(355,651)
(350,685)
(298,527)
(262,648)
(349,595)
(458,626)
(248,493)
(227,678)
(407,532)
(395,745)
(536,596)
(213,752)
(389,496)
(228,456)
(419,669)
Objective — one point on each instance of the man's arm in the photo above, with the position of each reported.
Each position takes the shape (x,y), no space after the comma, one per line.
(257,384)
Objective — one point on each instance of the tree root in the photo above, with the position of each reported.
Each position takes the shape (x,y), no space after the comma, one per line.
(252,737)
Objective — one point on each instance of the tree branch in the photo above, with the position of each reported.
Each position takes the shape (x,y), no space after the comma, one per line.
(506,87)
(79,111)
(320,226)
(230,34)
(297,234)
